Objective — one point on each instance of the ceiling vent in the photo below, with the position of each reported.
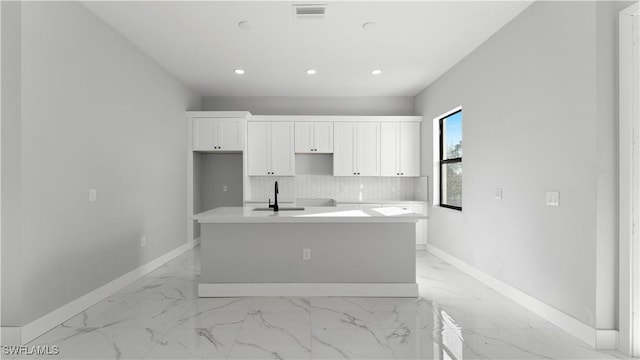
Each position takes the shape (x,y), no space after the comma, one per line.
(309,12)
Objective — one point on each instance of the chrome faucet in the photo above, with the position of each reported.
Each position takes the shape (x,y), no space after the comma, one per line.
(275,204)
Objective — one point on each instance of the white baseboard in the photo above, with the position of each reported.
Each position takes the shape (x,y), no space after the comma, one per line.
(47,322)
(600,339)
(308,289)
(607,339)
(421,247)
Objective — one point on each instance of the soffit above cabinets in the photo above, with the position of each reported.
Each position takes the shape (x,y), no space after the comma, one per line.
(203,43)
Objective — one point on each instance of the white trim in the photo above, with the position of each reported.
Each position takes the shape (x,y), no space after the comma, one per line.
(334,118)
(454,110)
(565,322)
(421,247)
(607,339)
(221,114)
(308,289)
(629,196)
(47,322)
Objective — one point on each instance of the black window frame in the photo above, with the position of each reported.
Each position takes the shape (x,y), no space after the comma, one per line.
(444,161)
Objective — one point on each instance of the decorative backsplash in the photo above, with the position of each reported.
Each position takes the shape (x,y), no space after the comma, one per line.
(338,188)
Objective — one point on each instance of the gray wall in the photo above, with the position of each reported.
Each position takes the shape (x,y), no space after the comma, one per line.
(539,109)
(96,113)
(11,173)
(311,105)
(216,171)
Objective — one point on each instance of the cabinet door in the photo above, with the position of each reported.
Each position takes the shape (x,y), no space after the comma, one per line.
(323,137)
(282,148)
(258,148)
(389,149)
(368,149)
(204,134)
(410,149)
(230,134)
(344,137)
(304,137)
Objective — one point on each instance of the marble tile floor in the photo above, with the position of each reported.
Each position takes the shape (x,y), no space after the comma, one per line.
(455,317)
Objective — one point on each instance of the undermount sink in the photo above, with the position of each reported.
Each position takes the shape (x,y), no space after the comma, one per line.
(280,209)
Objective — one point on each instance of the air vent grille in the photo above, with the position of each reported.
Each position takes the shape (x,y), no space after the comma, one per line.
(309,12)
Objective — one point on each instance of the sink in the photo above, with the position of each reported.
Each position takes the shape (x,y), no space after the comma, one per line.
(314,202)
(282,208)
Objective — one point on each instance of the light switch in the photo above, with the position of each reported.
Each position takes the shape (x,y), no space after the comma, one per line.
(553,198)
(497,193)
(92,195)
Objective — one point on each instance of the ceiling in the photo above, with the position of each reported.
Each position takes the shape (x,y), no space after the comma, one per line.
(413,43)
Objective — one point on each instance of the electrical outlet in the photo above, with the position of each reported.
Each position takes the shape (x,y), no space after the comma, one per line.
(497,193)
(553,198)
(225,188)
(93,195)
(306,254)
(143,241)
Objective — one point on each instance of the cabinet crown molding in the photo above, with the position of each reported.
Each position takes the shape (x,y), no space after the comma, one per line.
(219,114)
(334,118)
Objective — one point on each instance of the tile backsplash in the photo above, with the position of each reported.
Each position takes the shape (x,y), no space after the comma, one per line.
(338,188)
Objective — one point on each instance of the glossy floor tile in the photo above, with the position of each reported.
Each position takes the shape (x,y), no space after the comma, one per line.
(455,317)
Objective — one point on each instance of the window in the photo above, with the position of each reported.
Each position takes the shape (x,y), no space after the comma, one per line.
(451,160)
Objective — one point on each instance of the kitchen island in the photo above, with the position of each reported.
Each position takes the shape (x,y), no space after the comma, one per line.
(317,251)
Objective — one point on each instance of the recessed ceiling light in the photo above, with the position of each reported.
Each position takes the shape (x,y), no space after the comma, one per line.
(311,71)
(238,71)
(369,25)
(244,25)
(376,72)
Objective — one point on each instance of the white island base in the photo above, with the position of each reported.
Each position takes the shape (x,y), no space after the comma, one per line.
(251,255)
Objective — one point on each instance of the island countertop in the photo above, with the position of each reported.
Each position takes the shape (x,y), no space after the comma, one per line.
(247,214)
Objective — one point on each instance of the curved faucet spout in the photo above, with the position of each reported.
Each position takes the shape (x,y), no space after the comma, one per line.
(275,203)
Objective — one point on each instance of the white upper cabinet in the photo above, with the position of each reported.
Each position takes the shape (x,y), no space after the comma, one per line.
(400,149)
(356,149)
(259,148)
(410,149)
(230,134)
(314,137)
(270,149)
(344,149)
(218,134)
(368,149)
(282,142)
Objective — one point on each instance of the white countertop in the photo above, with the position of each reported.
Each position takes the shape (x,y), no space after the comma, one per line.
(290,201)
(380,202)
(247,214)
